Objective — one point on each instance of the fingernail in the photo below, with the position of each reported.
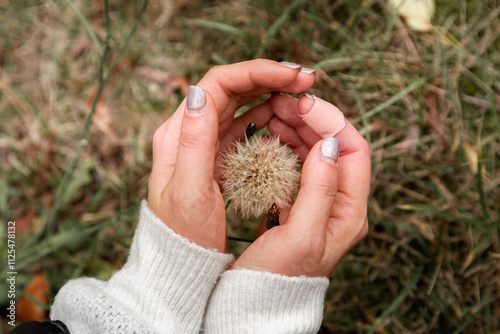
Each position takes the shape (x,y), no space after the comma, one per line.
(307,70)
(195,100)
(285,94)
(289,64)
(306,94)
(330,148)
(305,105)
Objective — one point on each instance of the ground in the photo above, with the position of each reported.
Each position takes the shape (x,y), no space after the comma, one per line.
(83,86)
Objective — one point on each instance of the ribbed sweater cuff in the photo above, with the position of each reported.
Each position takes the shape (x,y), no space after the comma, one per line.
(247,301)
(164,287)
(167,276)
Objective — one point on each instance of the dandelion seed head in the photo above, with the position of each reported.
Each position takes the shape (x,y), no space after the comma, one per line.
(258,172)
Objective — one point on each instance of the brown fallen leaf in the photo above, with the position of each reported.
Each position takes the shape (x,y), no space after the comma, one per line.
(171,82)
(179,82)
(24,222)
(28,310)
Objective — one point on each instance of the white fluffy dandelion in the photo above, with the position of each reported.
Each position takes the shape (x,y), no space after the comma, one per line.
(259,172)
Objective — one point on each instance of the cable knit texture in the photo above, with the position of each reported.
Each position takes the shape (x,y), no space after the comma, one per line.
(167,282)
(163,288)
(247,301)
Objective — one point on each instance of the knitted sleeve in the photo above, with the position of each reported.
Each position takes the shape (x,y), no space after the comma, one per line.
(164,286)
(247,301)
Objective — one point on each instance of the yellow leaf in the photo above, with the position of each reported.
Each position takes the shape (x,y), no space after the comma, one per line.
(416,13)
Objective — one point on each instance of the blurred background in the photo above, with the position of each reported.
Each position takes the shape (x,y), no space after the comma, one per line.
(84,85)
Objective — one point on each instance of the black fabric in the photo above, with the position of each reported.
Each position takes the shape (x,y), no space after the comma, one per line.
(44,327)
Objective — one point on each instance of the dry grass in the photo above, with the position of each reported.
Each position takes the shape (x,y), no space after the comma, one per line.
(428,103)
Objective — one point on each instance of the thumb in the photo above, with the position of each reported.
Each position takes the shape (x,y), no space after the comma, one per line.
(198,140)
(318,188)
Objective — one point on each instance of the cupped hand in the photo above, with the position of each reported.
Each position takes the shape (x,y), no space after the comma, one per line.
(329,215)
(183,191)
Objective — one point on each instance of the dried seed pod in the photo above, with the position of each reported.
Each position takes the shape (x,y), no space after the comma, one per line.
(272,217)
(259,172)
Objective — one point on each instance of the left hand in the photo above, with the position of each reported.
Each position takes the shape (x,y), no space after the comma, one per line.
(183,189)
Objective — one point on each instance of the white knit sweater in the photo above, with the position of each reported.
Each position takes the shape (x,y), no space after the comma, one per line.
(172,285)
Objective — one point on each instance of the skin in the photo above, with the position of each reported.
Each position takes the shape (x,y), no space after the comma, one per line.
(329,215)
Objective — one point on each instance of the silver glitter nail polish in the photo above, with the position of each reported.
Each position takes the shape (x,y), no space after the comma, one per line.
(312,97)
(307,70)
(195,100)
(330,148)
(285,94)
(289,64)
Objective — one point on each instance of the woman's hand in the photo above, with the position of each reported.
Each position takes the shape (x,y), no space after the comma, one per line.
(329,216)
(183,191)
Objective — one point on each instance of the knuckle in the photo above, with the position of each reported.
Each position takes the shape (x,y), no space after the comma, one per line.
(215,70)
(364,147)
(309,255)
(159,136)
(326,189)
(364,230)
(190,140)
(361,232)
(157,139)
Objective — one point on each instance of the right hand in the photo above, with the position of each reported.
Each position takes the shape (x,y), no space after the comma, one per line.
(329,216)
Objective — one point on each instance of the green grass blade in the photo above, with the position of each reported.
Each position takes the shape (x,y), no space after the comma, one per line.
(275,27)
(47,246)
(392,100)
(34,300)
(222,27)
(361,110)
(396,303)
(86,25)
(465,324)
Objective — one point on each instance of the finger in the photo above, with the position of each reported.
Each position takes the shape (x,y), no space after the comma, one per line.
(318,188)
(289,137)
(323,117)
(354,185)
(266,108)
(328,121)
(232,86)
(198,140)
(297,86)
(285,107)
(259,114)
(354,177)
(248,80)
(165,145)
